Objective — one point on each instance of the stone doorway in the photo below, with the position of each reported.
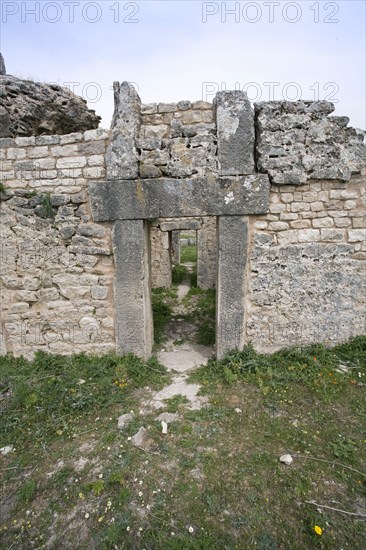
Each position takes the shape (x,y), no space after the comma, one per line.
(169,238)
(157,171)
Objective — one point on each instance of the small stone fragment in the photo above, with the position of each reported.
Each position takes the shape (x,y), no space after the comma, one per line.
(164,427)
(342,368)
(124,420)
(168,417)
(138,439)
(286,459)
(6,450)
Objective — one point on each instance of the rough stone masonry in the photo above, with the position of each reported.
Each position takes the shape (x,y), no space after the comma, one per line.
(283,184)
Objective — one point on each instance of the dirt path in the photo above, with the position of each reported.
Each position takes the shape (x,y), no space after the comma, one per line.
(180,355)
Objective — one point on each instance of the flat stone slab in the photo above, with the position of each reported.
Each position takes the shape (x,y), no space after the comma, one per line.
(168,417)
(180,386)
(183,360)
(235,133)
(181,225)
(183,290)
(146,199)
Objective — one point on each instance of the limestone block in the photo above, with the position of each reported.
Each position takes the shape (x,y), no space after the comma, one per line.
(64,150)
(91,230)
(134,327)
(74,162)
(149,108)
(191,225)
(95,160)
(149,171)
(99,292)
(207,253)
(92,148)
(297,141)
(47,140)
(71,138)
(235,133)
(93,135)
(167,107)
(121,155)
(356,235)
(184,105)
(149,199)
(231,280)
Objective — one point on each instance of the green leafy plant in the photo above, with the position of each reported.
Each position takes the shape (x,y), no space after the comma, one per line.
(27,491)
(188,254)
(3,189)
(179,273)
(161,299)
(47,210)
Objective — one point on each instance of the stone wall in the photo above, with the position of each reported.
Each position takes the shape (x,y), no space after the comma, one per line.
(277,193)
(56,270)
(177,140)
(307,265)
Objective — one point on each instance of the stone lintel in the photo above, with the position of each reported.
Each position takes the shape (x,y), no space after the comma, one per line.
(230,287)
(235,133)
(182,225)
(148,199)
(134,324)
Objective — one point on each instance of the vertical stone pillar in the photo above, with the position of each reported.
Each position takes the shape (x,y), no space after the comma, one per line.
(207,253)
(161,263)
(235,133)
(175,244)
(121,157)
(230,291)
(134,323)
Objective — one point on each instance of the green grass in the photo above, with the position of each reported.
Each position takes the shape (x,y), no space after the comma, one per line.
(75,480)
(188,254)
(162,299)
(52,396)
(203,314)
(179,273)
(313,366)
(47,211)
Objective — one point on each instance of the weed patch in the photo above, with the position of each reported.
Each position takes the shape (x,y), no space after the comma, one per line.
(213,481)
(188,254)
(203,314)
(315,367)
(179,273)
(162,300)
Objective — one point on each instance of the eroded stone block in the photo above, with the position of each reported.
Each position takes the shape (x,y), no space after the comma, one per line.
(134,327)
(230,287)
(121,156)
(235,133)
(169,198)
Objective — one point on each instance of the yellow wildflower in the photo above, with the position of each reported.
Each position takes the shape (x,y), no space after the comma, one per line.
(318,530)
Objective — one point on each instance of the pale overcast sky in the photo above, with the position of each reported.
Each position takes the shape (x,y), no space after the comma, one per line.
(175,50)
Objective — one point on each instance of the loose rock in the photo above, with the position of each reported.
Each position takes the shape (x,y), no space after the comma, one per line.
(138,440)
(286,459)
(33,108)
(6,450)
(124,420)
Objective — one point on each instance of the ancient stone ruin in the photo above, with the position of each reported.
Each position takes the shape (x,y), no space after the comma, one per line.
(30,108)
(2,65)
(276,194)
